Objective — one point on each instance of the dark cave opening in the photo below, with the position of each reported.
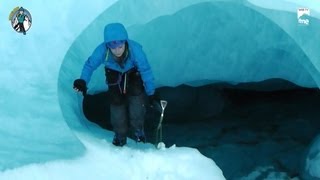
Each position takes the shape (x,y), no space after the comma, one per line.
(266,125)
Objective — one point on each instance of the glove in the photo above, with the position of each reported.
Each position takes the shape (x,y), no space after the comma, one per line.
(80,85)
(154,100)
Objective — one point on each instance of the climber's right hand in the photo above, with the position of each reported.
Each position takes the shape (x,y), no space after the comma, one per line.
(79,85)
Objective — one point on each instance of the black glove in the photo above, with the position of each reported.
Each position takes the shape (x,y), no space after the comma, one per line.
(80,85)
(154,100)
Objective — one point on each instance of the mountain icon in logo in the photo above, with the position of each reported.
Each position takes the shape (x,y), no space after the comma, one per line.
(303,16)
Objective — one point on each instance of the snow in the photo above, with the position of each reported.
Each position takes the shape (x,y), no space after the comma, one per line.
(135,161)
(43,134)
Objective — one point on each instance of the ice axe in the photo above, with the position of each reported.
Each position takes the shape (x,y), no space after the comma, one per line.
(159,142)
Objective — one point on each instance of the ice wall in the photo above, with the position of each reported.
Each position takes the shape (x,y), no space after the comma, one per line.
(32,127)
(223,41)
(305,36)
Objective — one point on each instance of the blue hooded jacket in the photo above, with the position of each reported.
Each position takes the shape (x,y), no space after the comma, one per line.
(103,55)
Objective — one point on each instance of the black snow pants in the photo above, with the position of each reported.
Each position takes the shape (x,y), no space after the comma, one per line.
(127,101)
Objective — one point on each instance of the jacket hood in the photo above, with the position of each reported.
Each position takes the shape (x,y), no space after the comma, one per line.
(115,32)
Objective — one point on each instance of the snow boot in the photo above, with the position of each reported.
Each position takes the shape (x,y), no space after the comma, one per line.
(119,141)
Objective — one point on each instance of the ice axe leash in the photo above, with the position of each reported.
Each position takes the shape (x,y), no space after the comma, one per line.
(163,104)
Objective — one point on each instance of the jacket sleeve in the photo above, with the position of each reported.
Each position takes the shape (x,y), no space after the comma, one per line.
(145,70)
(92,63)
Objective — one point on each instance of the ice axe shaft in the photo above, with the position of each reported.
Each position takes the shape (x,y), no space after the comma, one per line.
(159,128)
